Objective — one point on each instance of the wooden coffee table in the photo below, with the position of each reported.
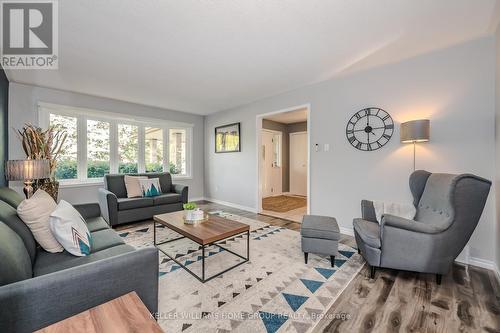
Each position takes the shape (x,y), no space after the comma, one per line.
(205,234)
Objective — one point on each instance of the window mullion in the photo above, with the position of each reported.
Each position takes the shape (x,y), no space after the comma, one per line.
(113,147)
(141,149)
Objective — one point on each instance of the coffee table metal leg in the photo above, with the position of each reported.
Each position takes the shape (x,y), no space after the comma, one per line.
(248,245)
(202,278)
(203,263)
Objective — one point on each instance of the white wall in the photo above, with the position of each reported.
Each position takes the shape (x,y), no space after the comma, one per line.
(23,101)
(497,144)
(453,87)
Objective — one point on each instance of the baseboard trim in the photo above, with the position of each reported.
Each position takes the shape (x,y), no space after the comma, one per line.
(487,264)
(230,204)
(346,231)
(197,199)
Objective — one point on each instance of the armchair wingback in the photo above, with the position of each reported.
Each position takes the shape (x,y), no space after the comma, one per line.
(448,210)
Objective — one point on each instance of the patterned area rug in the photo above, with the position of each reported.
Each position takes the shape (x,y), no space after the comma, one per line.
(283,203)
(274,292)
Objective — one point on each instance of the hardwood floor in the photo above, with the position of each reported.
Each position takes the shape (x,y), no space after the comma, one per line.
(468,300)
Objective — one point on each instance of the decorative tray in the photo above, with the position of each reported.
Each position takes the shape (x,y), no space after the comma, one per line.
(204,219)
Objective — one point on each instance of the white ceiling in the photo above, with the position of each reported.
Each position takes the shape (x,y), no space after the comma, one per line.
(202,56)
(289,117)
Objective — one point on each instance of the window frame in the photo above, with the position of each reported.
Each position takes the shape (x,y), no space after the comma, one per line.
(84,114)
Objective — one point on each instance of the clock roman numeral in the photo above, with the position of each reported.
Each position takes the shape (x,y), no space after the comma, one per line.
(389,126)
(386,117)
(387,137)
(351,139)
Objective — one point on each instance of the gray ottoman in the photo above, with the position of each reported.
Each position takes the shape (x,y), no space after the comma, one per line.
(320,234)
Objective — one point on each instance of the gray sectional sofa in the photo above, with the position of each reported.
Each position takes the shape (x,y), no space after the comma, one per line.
(117,209)
(38,288)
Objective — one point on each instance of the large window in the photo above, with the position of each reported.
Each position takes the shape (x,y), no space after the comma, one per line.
(97,148)
(154,149)
(128,148)
(67,159)
(177,151)
(99,143)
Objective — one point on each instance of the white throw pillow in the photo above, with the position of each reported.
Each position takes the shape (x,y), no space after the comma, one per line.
(407,211)
(70,229)
(35,212)
(133,186)
(150,187)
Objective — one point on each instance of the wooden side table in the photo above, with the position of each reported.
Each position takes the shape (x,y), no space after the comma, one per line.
(123,314)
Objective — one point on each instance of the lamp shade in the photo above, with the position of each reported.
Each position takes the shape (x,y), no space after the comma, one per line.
(415,131)
(27,169)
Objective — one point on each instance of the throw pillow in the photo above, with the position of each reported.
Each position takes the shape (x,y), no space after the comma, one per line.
(406,211)
(150,187)
(35,212)
(70,229)
(133,186)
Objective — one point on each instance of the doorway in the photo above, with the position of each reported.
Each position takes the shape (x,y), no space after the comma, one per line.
(272,173)
(283,163)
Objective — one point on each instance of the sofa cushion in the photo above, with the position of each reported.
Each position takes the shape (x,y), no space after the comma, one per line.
(132,203)
(104,239)
(167,198)
(8,215)
(52,262)
(368,231)
(315,226)
(10,196)
(14,258)
(96,224)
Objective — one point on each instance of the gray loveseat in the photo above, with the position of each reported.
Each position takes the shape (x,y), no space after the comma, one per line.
(117,209)
(448,210)
(38,288)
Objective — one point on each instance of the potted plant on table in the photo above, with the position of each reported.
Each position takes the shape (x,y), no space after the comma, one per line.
(41,144)
(189,209)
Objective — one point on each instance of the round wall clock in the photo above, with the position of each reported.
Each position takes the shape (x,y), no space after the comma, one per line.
(369,129)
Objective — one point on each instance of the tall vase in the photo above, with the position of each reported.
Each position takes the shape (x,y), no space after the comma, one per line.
(49,185)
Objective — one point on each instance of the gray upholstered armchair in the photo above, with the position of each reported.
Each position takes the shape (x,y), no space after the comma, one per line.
(448,210)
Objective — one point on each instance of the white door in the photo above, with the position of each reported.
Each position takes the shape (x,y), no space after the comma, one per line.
(298,163)
(271,166)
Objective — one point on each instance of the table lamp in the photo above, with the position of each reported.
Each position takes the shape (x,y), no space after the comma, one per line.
(27,171)
(415,131)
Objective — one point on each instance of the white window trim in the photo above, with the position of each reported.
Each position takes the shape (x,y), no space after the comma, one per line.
(82,114)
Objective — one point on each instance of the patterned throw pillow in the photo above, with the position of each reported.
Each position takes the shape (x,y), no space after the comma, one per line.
(150,187)
(70,229)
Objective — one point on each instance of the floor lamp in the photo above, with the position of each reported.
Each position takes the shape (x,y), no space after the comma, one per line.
(27,171)
(415,131)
